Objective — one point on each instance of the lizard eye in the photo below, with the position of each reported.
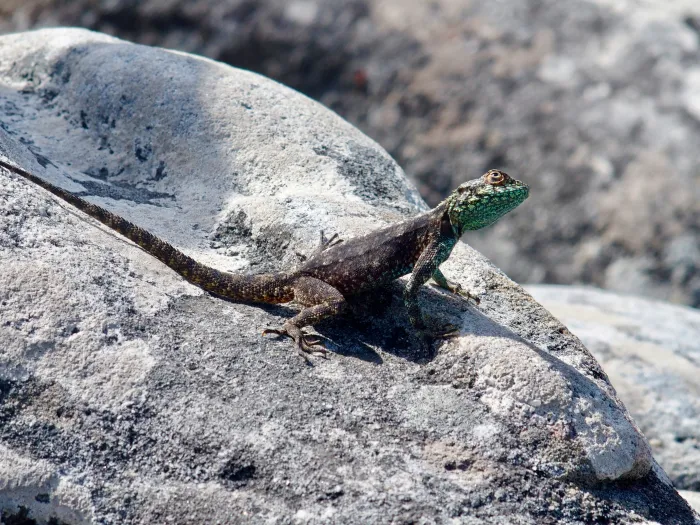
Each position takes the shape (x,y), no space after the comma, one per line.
(495,177)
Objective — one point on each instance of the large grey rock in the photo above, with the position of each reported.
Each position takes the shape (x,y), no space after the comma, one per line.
(130,396)
(593,106)
(651,353)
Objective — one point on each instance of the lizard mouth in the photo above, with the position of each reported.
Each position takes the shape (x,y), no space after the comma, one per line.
(523,189)
(506,198)
(518,191)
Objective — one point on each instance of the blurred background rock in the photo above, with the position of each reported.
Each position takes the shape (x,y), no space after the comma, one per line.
(595,104)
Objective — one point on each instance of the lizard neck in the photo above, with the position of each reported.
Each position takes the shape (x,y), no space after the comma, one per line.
(449,227)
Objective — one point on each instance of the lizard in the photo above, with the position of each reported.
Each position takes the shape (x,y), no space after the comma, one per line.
(338,269)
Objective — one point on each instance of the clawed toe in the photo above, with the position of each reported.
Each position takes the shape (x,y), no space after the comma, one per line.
(446,333)
(457,289)
(335,239)
(311,346)
(306,344)
(428,336)
(329,242)
(470,297)
(463,293)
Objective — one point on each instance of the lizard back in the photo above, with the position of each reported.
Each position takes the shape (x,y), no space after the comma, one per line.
(374,259)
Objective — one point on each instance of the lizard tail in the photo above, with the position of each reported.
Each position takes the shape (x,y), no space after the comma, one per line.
(266,288)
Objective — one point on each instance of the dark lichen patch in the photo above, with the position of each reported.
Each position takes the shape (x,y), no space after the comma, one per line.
(160,171)
(10,109)
(47,96)
(34,150)
(234,229)
(121,191)
(271,246)
(60,70)
(266,250)
(41,159)
(21,517)
(9,399)
(101,173)
(236,472)
(372,175)
(143,151)
(43,498)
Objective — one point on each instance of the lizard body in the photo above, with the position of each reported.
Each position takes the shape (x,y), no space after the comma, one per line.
(337,270)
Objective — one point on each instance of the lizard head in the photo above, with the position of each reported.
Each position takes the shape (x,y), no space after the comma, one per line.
(480,202)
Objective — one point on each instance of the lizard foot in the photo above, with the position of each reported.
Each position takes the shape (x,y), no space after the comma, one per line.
(446,331)
(305,344)
(437,329)
(427,336)
(329,242)
(322,246)
(457,289)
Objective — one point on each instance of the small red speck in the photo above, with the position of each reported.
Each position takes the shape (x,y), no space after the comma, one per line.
(360,80)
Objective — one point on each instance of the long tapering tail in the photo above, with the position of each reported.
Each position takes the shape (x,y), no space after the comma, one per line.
(266,288)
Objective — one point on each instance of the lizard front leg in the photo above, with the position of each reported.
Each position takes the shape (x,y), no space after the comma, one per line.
(322,301)
(451,286)
(432,256)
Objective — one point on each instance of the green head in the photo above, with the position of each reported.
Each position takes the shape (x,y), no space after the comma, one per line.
(483,201)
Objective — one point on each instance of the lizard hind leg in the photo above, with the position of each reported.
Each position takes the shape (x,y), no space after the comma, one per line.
(321,301)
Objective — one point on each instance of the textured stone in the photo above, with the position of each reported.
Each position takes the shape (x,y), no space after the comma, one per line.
(651,353)
(692,497)
(130,396)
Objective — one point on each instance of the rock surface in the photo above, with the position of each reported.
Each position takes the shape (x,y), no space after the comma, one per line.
(592,106)
(691,497)
(651,353)
(130,396)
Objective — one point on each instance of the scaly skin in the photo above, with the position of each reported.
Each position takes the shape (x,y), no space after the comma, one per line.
(337,270)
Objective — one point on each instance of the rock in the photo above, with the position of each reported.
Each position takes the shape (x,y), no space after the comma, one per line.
(130,396)
(593,106)
(651,354)
(693,498)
